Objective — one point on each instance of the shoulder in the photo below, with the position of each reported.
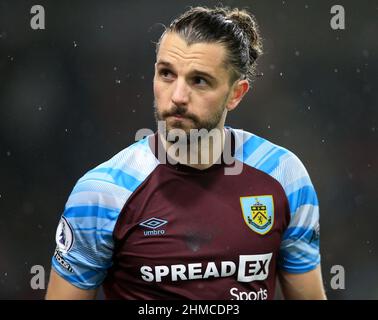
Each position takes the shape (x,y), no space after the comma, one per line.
(263,154)
(110,184)
(278,162)
(127,167)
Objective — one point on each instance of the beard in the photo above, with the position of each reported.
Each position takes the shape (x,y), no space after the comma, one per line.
(195,123)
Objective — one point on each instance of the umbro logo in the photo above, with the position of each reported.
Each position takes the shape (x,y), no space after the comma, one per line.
(153,224)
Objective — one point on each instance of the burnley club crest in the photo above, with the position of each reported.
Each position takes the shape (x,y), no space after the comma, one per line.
(258,213)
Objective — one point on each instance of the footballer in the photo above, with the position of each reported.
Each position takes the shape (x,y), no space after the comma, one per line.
(148,224)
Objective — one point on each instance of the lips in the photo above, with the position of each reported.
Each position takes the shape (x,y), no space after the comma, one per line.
(178,116)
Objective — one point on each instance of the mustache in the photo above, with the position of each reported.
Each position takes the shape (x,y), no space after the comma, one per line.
(179,111)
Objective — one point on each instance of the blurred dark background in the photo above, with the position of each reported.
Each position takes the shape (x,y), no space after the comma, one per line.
(74,94)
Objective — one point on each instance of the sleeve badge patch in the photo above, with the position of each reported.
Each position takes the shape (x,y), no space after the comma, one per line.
(64,236)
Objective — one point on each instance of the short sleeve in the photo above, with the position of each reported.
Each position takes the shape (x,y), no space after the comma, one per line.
(299,250)
(84,236)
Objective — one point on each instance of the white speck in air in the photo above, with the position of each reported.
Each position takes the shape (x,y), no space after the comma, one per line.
(309,108)
(358,70)
(101,27)
(297,53)
(5,274)
(336,70)
(66,130)
(133,110)
(8,153)
(373,129)
(306,6)
(281,74)
(118,81)
(74,44)
(40,108)
(10,58)
(142,77)
(367,242)
(323,140)
(115,68)
(268,126)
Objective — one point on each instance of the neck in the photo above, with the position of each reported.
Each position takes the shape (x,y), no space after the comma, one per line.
(200,151)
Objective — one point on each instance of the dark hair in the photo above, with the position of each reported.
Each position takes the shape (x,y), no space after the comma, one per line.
(236,29)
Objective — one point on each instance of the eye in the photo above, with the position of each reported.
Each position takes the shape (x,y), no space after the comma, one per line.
(166,74)
(200,81)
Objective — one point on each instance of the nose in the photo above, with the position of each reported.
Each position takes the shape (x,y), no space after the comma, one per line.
(181,93)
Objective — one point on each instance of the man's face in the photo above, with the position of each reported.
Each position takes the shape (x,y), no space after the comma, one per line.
(191,84)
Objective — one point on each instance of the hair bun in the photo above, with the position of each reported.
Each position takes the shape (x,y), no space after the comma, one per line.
(248,24)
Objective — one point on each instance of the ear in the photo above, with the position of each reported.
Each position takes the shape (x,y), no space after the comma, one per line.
(238,90)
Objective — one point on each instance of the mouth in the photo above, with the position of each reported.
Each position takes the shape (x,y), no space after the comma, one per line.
(178,117)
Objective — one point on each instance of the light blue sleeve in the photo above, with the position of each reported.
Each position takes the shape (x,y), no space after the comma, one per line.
(299,251)
(85,232)
(84,235)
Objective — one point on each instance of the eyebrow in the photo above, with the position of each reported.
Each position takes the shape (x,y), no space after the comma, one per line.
(196,72)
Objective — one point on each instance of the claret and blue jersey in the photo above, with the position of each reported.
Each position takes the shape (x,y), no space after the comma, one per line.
(146,229)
